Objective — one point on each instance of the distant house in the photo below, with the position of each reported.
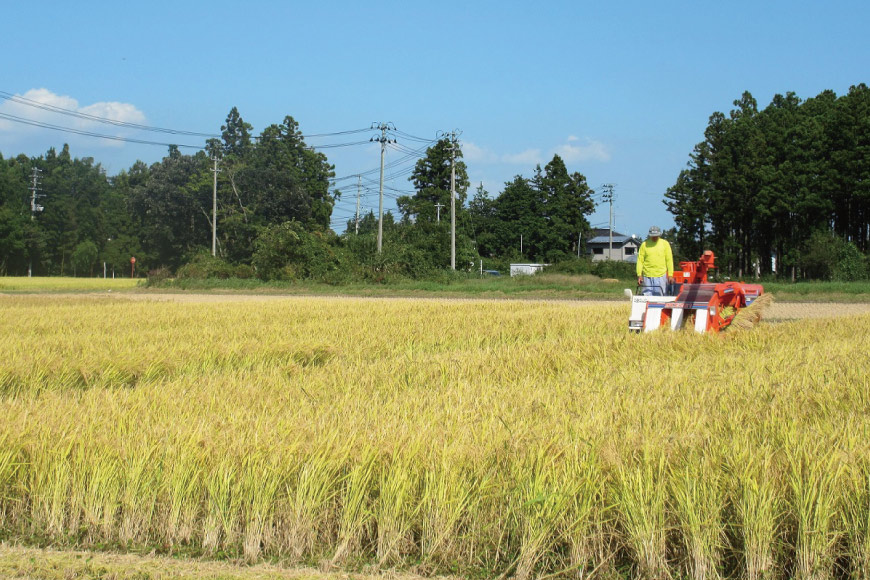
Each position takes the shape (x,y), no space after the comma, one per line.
(624,247)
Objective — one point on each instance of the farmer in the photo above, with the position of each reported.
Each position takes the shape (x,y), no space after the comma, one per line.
(655,264)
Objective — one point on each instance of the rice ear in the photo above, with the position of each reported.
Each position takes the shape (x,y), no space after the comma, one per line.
(747,318)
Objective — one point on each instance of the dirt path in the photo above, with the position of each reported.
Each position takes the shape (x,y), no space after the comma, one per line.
(46,564)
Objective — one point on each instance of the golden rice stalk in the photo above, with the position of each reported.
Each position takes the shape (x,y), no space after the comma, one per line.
(857,519)
(814,476)
(759,507)
(747,318)
(699,500)
(641,502)
(397,506)
(356,511)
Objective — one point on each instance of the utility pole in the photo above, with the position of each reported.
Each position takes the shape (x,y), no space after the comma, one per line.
(34,207)
(438,207)
(214,208)
(383,140)
(453,146)
(608,197)
(358,190)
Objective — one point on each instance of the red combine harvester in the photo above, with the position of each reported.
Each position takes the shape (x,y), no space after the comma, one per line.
(711,305)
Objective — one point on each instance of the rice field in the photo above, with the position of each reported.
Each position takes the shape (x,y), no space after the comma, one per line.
(487,439)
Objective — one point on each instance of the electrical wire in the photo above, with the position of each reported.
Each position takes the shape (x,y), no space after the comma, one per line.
(42,125)
(86,116)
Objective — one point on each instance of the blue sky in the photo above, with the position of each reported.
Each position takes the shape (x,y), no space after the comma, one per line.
(622,90)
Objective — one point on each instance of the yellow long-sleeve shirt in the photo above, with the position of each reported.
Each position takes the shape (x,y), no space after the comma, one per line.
(654,259)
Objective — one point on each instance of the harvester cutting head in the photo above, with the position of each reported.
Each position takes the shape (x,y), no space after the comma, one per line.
(710,307)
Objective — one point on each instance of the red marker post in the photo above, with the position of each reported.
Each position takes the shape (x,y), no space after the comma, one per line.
(132,266)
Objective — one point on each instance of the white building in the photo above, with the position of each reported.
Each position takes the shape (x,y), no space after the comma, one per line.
(526,269)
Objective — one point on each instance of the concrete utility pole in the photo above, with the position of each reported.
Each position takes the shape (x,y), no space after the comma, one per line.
(608,197)
(453,146)
(214,209)
(34,207)
(383,140)
(438,207)
(358,190)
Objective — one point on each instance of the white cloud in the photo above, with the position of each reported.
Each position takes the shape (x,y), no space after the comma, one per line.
(124,112)
(527,157)
(575,150)
(589,150)
(475,154)
(28,108)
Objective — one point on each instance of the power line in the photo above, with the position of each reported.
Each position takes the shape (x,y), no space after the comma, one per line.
(87,116)
(16,119)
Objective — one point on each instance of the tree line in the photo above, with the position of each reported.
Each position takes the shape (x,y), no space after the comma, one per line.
(782,190)
(275,204)
(785,189)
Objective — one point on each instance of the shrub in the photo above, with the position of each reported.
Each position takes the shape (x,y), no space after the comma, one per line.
(615,269)
(287,251)
(243,271)
(826,256)
(157,276)
(83,257)
(575,266)
(204,265)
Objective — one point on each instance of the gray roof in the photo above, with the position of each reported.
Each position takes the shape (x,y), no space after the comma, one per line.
(606,239)
(595,232)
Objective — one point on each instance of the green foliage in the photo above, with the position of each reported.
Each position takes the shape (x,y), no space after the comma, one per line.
(763,181)
(162,215)
(84,256)
(204,265)
(287,251)
(575,266)
(158,276)
(615,269)
(431,179)
(828,257)
(549,212)
(13,241)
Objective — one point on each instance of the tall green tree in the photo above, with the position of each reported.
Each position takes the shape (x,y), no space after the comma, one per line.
(168,216)
(762,183)
(431,180)
(420,226)
(236,135)
(566,201)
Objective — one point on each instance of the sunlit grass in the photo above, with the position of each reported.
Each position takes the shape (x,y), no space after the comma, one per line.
(58,284)
(518,438)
